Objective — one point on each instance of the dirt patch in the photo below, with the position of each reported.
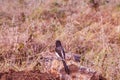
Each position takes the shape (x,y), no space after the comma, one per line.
(29,75)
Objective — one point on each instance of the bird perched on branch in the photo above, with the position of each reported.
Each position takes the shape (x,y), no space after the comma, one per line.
(61,54)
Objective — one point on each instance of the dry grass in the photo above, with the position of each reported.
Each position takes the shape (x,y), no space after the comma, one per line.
(29,27)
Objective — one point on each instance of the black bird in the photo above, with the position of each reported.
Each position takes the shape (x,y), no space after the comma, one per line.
(61,54)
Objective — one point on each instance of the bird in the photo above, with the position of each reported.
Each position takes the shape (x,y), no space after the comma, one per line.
(61,54)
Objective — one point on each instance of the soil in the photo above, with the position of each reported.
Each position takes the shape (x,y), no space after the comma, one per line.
(27,75)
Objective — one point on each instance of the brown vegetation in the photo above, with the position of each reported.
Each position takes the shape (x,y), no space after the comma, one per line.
(29,28)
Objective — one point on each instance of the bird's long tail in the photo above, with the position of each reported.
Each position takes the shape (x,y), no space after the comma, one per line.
(66,67)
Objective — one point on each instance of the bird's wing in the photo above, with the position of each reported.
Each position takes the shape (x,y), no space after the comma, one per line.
(60,52)
(63,52)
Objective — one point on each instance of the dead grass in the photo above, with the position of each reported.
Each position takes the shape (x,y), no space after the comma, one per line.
(29,27)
